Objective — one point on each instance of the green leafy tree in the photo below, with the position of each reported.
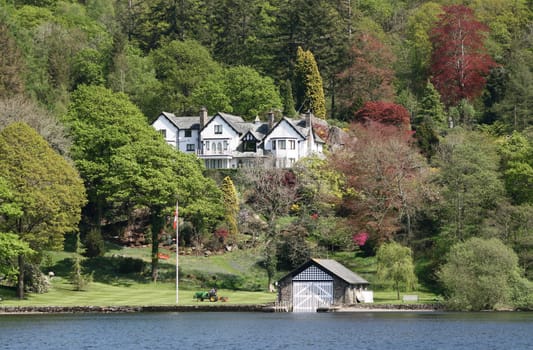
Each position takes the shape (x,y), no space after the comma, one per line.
(11,247)
(46,188)
(126,164)
(395,263)
(309,88)
(180,67)
(250,93)
(517,162)
(481,274)
(469,181)
(134,74)
(418,44)
(87,68)
(231,205)
(515,109)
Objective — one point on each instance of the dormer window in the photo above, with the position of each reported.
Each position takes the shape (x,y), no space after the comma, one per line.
(249,143)
(250,146)
(188,133)
(218,129)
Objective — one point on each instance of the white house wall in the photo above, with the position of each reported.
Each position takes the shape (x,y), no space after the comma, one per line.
(285,132)
(171,136)
(222,145)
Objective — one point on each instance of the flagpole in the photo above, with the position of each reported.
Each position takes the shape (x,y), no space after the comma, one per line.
(176,219)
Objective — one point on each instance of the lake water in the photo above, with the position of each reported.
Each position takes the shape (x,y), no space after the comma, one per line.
(223,330)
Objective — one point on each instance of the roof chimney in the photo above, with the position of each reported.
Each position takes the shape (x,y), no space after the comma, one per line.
(270,120)
(308,116)
(203,117)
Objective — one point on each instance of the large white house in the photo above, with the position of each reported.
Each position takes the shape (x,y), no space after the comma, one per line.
(227,141)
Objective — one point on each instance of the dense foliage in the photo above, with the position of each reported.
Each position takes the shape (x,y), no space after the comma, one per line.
(440,94)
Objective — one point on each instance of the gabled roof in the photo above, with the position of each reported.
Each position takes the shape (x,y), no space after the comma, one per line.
(332,267)
(301,132)
(181,123)
(232,120)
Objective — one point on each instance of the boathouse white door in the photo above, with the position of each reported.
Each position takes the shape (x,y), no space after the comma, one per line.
(311,289)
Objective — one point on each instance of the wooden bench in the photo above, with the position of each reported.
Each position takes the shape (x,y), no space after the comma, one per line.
(413,298)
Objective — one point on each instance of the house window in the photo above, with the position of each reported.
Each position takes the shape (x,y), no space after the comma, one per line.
(282,144)
(292,161)
(249,146)
(219,147)
(226,144)
(188,133)
(214,147)
(190,147)
(207,146)
(163,133)
(292,144)
(218,129)
(273,145)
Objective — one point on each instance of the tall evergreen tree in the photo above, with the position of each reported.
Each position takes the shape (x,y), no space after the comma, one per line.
(287,99)
(309,91)
(231,205)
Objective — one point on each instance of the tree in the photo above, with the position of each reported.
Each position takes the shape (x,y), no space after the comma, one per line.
(386,113)
(429,119)
(482,274)
(516,106)
(134,74)
(517,163)
(77,277)
(46,188)
(395,263)
(418,44)
(368,77)
(11,64)
(272,192)
(309,88)
(387,181)
(21,109)
(11,247)
(470,185)
(126,164)
(287,99)
(180,67)
(459,63)
(231,205)
(250,93)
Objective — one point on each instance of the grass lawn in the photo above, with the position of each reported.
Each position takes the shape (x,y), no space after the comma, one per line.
(61,293)
(237,276)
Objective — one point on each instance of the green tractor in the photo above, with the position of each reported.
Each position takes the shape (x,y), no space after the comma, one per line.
(211,295)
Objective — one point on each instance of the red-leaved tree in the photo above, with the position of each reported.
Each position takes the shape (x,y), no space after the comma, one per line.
(459,62)
(386,180)
(386,113)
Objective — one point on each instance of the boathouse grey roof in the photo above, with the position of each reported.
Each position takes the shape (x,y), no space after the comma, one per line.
(332,267)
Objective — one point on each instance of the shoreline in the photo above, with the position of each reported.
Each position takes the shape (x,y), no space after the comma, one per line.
(28,310)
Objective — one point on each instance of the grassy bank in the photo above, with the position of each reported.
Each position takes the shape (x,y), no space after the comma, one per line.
(122,277)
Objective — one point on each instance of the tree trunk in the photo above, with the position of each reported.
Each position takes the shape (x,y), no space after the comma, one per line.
(20,282)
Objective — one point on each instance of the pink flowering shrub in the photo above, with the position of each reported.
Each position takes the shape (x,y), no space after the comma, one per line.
(360,238)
